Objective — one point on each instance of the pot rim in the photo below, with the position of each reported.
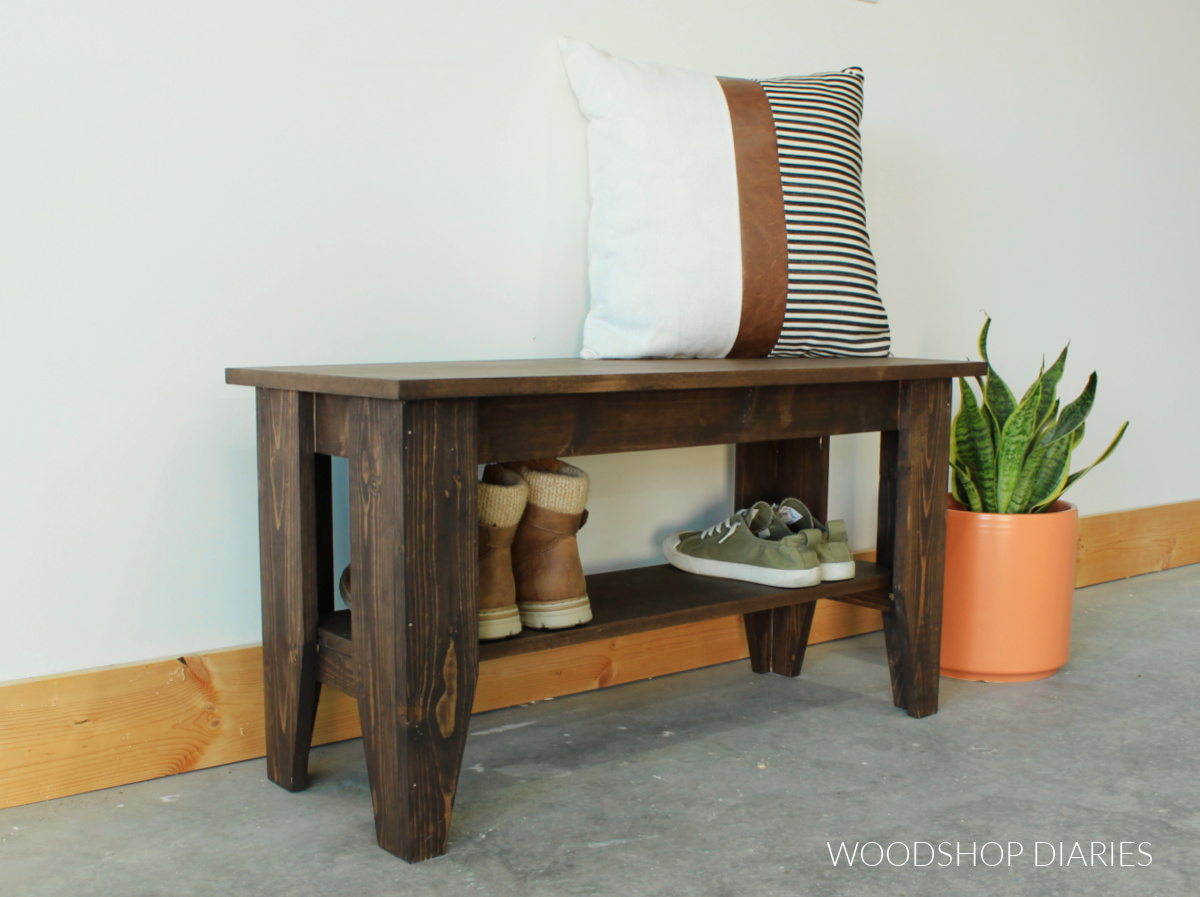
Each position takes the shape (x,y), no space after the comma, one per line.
(1060,506)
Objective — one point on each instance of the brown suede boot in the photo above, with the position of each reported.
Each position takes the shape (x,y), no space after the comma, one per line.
(502,498)
(503,494)
(551,590)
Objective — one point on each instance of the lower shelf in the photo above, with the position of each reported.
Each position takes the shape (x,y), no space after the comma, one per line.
(629,601)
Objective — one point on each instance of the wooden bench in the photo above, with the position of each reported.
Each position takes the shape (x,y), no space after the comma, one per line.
(414,435)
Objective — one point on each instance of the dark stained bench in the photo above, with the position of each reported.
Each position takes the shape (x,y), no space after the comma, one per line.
(414,435)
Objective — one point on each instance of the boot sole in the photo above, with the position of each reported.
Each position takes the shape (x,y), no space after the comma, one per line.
(556,614)
(766,576)
(498,623)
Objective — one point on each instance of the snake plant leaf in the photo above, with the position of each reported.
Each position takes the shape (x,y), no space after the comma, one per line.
(997,397)
(1015,442)
(1108,451)
(986,411)
(971,446)
(957,490)
(993,426)
(1050,478)
(1049,382)
(987,325)
(964,490)
(1073,415)
(1019,500)
(958,487)
(1046,424)
(1036,383)
(1045,467)
(1077,436)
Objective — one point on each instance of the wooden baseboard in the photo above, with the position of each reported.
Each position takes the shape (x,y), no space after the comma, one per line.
(102,728)
(62,735)
(1130,543)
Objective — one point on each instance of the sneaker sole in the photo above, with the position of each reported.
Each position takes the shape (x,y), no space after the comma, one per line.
(765,576)
(499,623)
(556,614)
(837,570)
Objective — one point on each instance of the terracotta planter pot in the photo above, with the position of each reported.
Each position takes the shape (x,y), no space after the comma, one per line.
(1010,579)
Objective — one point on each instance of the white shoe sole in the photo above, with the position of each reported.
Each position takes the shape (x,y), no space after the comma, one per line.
(837,571)
(556,614)
(766,576)
(499,623)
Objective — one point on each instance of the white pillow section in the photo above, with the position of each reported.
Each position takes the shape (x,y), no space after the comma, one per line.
(664,239)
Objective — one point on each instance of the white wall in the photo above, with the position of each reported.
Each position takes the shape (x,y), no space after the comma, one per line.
(189,186)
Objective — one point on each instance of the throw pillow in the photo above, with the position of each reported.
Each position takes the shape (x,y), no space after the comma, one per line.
(727,215)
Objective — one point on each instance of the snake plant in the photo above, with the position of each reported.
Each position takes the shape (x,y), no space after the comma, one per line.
(1010,457)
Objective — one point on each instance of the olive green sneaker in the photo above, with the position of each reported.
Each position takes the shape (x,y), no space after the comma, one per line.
(836,560)
(751,545)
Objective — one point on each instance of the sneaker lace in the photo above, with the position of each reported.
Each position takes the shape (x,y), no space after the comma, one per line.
(727,526)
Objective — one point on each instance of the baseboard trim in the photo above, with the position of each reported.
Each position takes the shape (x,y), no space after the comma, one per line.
(102,728)
(1130,543)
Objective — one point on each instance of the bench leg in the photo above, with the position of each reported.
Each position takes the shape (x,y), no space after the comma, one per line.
(772,471)
(912,540)
(779,637)
(293,493)
(413,526)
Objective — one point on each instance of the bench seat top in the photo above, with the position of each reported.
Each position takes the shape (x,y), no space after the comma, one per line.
(551,376)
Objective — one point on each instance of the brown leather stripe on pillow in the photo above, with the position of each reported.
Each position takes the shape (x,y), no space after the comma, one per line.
(764,230)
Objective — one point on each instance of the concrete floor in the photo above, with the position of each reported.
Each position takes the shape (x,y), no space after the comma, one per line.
(718,782)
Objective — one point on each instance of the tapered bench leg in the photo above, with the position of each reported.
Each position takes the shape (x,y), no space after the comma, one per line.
(293,489)
(413,545)
(778,638)
(912,540)
(772,471)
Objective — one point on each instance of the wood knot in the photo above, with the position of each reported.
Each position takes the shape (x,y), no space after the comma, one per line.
(446,709)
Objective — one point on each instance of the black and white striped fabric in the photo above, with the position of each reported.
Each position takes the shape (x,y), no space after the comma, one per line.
(833,305)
